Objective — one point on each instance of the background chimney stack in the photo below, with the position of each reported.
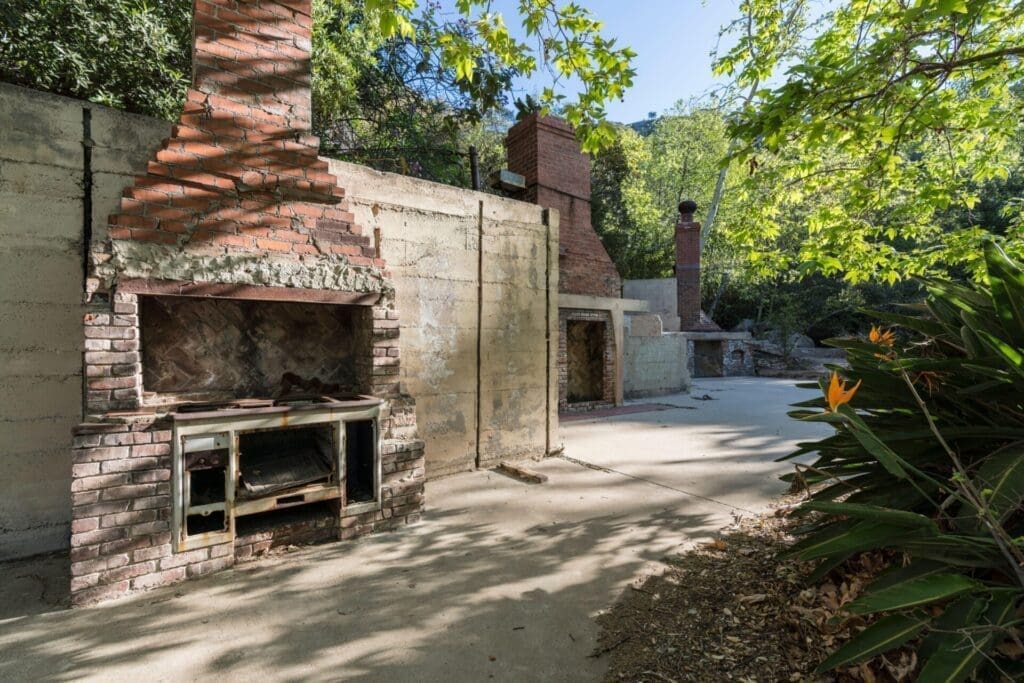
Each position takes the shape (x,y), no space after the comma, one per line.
(688,269)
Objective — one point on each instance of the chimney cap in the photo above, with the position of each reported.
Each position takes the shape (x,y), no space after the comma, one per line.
(687,206)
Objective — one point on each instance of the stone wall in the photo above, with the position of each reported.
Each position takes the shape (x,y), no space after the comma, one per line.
(662,296)
(725,354)
(473,278)
(476,282)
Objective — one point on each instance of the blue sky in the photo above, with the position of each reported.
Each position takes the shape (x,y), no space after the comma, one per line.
(673,40)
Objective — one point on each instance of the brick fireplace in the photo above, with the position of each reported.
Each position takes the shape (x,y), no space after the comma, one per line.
(545,151)
(242,341)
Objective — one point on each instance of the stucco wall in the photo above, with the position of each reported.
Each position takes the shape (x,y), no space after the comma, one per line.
(662,296)
(431,237)
(41,225)
(654,363)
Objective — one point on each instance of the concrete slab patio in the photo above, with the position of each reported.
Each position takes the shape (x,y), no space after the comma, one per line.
(501,581)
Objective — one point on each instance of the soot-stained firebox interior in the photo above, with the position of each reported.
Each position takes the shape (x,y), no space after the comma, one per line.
(585,348)
(227,348)
(359,469)
(707,359)
(277,460)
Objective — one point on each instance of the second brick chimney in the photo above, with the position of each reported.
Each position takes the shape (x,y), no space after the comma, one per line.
(691,318)
(545,151)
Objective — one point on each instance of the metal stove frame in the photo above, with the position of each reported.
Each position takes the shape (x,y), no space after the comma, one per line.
(225,427)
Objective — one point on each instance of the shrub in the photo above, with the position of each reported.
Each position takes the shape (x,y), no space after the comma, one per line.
(927,463)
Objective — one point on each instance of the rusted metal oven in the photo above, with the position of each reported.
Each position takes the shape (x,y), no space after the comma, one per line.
(243,458)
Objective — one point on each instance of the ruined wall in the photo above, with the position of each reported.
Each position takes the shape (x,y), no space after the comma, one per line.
(661,294)
(431,237)
(464,262)
(42,206)
(654,363)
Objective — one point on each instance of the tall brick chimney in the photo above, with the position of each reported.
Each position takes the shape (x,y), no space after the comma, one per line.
(691,318)
(545,151)
(240,172)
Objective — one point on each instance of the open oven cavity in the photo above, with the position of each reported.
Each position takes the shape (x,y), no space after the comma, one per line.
(251,463)
(274,461)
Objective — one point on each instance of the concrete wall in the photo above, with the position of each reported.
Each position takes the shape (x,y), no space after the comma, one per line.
(662,296)
(41,223)
(654,363)
(431,236)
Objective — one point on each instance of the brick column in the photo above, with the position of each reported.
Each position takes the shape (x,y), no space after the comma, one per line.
(688,268)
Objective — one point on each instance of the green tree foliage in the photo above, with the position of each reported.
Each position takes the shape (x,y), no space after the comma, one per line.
(128,54)
(638,181)
(134,54)
(571,47)
(393,103)
(927,463)
(894,116)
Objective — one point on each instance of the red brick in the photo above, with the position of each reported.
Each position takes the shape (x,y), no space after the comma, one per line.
(273,245)
(100,593)
(155,580)
(158,236)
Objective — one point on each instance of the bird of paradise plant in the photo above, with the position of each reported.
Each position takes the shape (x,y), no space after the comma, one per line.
(937,480)
(837,393)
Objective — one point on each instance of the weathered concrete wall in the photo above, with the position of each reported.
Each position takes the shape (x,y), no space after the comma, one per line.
(654,363)
(42,204)
(662,296)
(431,236)
(466,263)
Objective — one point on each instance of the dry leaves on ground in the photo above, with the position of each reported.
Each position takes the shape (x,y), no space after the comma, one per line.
(729,611)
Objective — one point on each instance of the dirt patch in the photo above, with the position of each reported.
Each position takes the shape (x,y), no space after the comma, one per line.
(729,611)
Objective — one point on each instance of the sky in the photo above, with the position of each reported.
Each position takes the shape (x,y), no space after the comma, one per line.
(673,40)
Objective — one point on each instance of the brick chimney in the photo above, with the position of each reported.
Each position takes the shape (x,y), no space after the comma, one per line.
(691,318)
(241,171)
(545,151)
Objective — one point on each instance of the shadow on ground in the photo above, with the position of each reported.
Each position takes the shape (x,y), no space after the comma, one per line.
(501,581)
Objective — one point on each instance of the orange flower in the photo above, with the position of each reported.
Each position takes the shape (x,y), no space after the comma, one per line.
(838,394)
(881,337)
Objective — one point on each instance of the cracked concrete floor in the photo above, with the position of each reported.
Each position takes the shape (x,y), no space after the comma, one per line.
(501,581)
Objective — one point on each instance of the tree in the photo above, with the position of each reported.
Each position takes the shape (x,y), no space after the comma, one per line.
(639,180)
(392,103)
(127,54)
(625,213)
(894,113)
(134,54)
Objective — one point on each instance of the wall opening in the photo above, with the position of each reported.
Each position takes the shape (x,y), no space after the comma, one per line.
(707,359)
(280,459)
(359,462)
(585,346)
(214,349)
